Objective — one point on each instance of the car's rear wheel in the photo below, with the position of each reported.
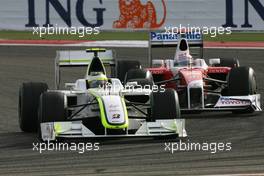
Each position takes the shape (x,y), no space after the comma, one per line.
(138,74)
(241,82)
(29,94)
(144,80)
(123,66)
(229,62)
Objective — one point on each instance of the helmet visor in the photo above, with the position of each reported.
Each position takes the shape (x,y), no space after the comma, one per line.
(97,83)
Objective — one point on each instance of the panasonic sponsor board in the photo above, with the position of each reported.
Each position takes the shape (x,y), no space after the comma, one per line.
(174,37)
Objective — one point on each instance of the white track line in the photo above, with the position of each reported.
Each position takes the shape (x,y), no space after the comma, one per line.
(114,43)
(107,43)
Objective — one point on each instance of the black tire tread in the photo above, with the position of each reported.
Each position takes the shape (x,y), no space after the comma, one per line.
(29,94)
(165,105)
(229,62)
(123,66)
(52,107)
(136,74)
(241,81)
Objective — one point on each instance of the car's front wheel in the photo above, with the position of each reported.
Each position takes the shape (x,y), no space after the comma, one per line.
(51,108)
(242,82)
(29,94)
(165,105)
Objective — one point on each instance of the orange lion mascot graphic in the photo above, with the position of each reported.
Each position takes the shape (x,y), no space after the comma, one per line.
(133,14)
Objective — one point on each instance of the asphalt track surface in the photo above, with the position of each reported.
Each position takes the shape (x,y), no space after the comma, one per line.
(127,156)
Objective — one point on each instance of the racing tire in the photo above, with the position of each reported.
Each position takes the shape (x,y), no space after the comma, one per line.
(123,66)
(51,107)
(165,105)
(143,82)
(229,62)
(138,74)
(29,94)
(242,82)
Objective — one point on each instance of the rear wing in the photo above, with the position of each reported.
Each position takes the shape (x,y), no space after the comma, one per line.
(75,58)
(159,39)
(80,58)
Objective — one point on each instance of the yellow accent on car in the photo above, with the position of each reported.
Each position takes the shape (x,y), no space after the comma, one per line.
(103,116)
(57,128)
(95,49)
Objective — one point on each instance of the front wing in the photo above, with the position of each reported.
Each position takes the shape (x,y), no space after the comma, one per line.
(75,129)
(232,103)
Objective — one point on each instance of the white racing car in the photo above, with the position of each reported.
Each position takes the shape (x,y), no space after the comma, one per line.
(97,106)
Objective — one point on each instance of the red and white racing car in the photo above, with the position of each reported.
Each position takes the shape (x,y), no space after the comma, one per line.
(221,85)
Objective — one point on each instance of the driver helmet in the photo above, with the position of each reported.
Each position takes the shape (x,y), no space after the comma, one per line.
(97,79)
